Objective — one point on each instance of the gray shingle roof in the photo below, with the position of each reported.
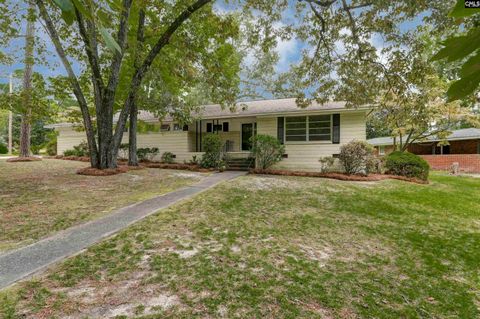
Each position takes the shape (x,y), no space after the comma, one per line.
(255,108)
(246,109)
(463,134)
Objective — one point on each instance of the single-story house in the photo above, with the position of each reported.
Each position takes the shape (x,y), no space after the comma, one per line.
(308,134)
(461,146)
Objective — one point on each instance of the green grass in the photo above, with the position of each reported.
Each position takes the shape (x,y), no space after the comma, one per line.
(40,198)
(281,247)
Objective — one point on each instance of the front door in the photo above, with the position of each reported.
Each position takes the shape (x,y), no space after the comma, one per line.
(247,133)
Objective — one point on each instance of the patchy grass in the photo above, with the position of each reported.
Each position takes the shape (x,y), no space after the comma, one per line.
(40,198)
(280,247)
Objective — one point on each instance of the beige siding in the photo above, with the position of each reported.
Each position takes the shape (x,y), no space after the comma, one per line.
(68,138)
(305,155)
(301,155)
(267,126)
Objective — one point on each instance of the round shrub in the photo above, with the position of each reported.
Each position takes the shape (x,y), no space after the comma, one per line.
(168,158)
(212,146)
(3,149)
(267,150)
(407,164)
(355,157)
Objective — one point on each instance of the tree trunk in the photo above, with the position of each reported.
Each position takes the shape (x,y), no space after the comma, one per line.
(25,127)
(132,137)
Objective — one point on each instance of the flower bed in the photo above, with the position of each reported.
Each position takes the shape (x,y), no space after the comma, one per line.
(339,176)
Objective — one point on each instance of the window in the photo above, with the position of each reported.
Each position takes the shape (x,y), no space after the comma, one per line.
(319,128)
(217,127)
(177,127)
(381,150)
(296,128)
(165,127)
(308,128)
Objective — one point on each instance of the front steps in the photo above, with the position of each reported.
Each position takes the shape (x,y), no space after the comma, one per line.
(240,164)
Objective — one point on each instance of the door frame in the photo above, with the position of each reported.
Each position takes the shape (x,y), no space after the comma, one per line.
(241,134)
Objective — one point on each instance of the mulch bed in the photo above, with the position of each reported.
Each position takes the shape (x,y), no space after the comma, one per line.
(91,171)
(24,159)
(339,176)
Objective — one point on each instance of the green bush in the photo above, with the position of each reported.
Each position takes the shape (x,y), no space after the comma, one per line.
(212,146)
(3,149)
(355,157)
(147,153)
(267,150)
(51,147)
(407,164)
(167,157)
(79,150)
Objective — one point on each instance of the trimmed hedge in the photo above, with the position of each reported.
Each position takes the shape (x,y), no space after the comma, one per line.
(407,164)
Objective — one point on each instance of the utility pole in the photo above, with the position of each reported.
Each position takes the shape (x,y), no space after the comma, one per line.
(10,119)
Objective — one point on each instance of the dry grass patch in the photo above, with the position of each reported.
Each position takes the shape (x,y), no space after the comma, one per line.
(40,198)
(318,249)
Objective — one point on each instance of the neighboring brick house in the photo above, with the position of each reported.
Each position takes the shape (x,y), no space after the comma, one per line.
(463,147)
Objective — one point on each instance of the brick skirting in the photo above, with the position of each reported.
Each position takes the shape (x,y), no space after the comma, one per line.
(467,162)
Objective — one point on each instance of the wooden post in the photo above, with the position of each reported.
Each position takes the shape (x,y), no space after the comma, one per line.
(10,121)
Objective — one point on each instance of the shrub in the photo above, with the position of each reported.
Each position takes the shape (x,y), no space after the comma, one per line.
(375,165)
(407,164)
(267,150)
(51,147)
(212,145)
(79,150)
(354,157)
(168,157)
(147,153)
(3,149)
(327,164)
(194,160)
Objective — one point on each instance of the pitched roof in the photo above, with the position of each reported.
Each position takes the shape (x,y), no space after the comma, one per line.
(255,108)
(462,134)
(246,109)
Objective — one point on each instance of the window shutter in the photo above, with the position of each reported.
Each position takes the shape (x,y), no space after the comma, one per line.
(280,129)
(225,126)
(209,127)
(336,129)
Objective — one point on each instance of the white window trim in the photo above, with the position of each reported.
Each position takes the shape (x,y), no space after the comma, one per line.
(307,133)
(381,150)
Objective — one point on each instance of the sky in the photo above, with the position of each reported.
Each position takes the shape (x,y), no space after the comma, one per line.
(289,50)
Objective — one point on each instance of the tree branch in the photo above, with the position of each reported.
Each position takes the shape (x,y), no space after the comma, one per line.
(139,74)
(72,79)
(89,38)
(109,95)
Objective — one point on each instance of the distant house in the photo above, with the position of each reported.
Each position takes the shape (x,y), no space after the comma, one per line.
(462,146)
(308,134)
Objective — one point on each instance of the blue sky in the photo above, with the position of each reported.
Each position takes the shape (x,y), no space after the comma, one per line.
(289,50)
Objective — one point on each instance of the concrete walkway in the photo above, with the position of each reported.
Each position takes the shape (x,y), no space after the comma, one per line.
(23,262)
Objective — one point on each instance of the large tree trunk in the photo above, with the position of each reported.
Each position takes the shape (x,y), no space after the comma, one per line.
(25,127)
(132,137)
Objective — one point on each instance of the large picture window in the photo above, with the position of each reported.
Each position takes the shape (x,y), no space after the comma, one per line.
(308,128)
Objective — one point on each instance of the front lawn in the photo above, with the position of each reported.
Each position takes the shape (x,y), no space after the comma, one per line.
(41,198)
(280,247)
